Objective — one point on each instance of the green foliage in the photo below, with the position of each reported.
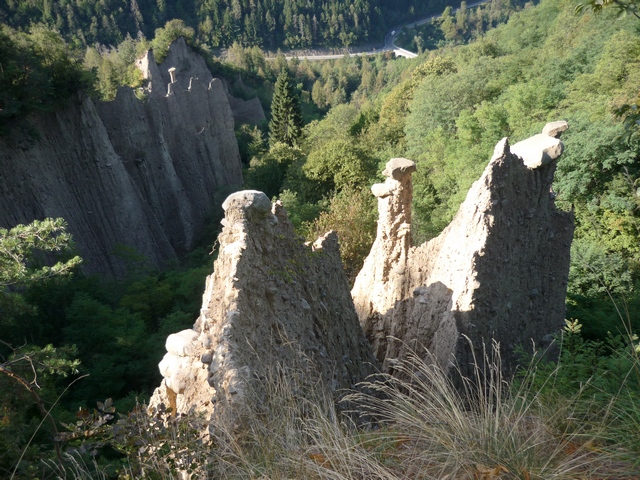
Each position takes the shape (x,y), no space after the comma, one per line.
(38,73)
(339,164)
(28,378)
(250,59)
(165,36)
(119,331)
(595,273)
(465,25)
(115,67)
(22,247)
(352,213)
(163,444)
(598,175)
(336,124)
(600,315)
(301,214)
(604,375)
(220,23)
(509,84)
(250,142)
(624,7)
(115,347)
(114,332)
(267,173)
(285,125)
(29,369)
(395,107)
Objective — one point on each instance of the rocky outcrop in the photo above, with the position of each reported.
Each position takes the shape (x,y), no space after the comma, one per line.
(132,178)
(188,66)
(269,300)
(498,271)
(248,111)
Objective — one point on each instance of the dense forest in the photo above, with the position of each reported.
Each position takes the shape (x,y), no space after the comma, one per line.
(484,73)
(219,23)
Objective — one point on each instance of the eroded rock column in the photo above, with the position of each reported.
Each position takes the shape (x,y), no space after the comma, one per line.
(270,302)
(380,283)
(497,272)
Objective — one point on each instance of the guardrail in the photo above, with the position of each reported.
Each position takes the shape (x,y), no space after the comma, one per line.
(401,52)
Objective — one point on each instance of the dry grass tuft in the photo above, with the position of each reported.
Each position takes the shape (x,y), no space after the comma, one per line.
(421,426)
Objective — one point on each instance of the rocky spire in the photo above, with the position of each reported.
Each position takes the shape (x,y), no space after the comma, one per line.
(498,271)
(269,300)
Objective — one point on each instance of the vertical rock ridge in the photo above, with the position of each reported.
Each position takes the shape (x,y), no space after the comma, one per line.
(128,175)
(498,271)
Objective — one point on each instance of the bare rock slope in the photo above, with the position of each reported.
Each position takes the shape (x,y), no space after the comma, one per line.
(128,175)
(270,298)
(498,271)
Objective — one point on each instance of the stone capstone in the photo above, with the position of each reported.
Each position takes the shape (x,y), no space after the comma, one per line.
(270,300)
(397,168)
(249,203)
(555,129)
(498,272)
(542,148)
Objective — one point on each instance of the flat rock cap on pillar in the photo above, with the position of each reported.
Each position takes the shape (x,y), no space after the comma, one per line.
(543,148)
(555,129)
(248,200)
(498,271)
(397,168)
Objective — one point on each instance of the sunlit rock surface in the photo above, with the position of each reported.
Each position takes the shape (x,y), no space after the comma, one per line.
(270,301)
(498,271)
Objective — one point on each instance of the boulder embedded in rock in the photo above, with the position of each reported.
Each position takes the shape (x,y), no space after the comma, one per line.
(538,150)
(555,129)
(498,271)
(397,168)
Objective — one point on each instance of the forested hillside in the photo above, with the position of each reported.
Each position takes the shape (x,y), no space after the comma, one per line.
(451,106)
(219,23)
(472,85)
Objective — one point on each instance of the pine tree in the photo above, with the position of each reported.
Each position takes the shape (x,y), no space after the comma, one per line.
(286,120)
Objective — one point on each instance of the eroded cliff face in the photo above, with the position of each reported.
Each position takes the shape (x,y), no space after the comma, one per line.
(269,300)
(188,66)
(498,271)
(129,173)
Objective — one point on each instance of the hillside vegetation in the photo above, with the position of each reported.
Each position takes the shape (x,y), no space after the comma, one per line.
(220,23)
(445,110)
(449,108)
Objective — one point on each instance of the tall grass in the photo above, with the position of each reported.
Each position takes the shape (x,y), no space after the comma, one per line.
(425,423)
(75,467)
(489,427)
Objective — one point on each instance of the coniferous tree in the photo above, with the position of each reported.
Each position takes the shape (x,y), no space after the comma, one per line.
(286,120)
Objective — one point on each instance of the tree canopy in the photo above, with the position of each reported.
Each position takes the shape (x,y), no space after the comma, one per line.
(37,73)
(220,23)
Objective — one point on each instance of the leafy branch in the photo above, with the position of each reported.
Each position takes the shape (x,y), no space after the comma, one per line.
(22,248)
(624,7)
(23,251)
(34,359)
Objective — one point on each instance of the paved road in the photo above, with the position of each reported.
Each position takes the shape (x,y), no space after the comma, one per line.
(389,40)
